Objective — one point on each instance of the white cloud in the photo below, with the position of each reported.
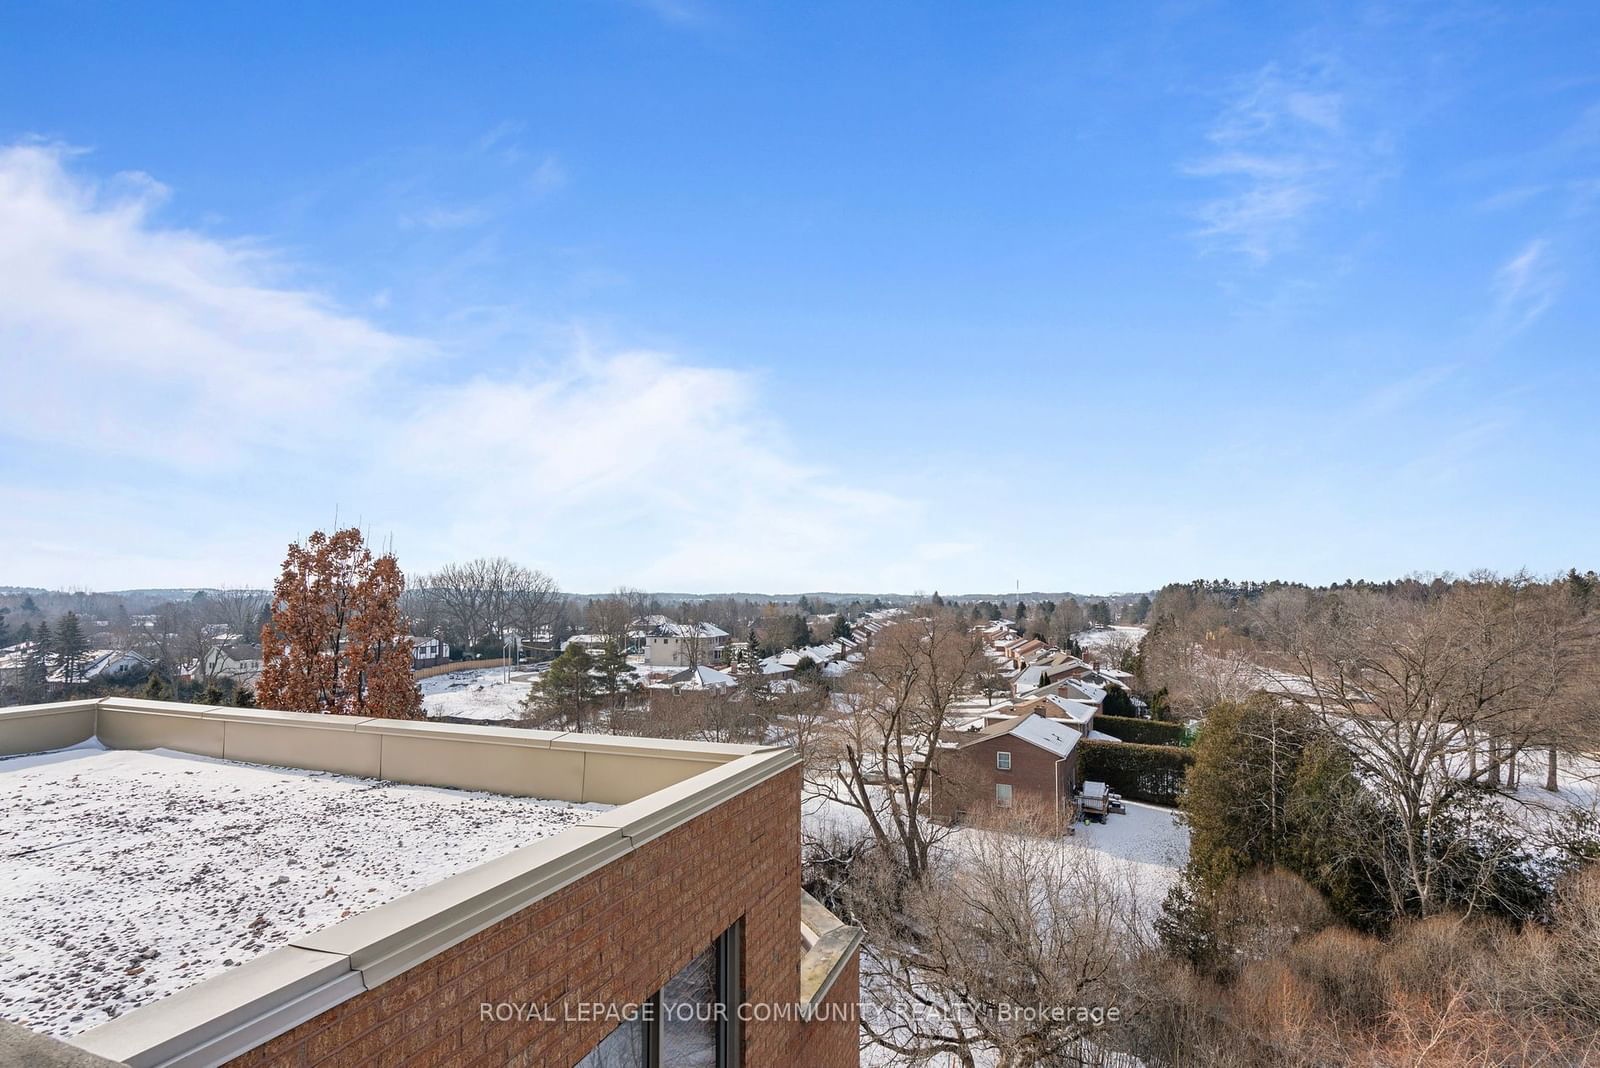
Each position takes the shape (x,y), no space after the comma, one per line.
(549,175)
(440,217)
(1280,148)
(113,323)
(1525,286)
(182,371)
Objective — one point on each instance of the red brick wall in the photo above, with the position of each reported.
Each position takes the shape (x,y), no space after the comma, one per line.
(967,776)
(613,937)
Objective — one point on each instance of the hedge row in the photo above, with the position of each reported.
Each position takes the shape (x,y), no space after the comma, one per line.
(1143,731)
(1152,773)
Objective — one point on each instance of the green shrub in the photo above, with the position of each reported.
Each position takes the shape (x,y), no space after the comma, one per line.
(1138,772)
(1143,731)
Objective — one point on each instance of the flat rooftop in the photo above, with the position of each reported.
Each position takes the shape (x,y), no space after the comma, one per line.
(131,874)
(180,883)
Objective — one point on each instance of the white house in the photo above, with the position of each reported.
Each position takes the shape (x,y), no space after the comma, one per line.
(427,652)
(107,665)
(239,662)
(684,644)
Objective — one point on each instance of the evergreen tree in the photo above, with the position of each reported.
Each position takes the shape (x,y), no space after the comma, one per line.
(44,641)
(1022,611)
(243,698)
(212,696)
(70,645)
(35,675)
(938,602)
(611,665)
(1118,702)
(568,685)
(155,689)
(5,631)
(841,627)
(1141,608)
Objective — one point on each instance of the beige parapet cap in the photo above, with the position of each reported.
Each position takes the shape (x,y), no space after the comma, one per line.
(460,732)
(655,814)
(49,709)
(830,945)
(626,745)
(164,708)
(221,1017)
(271,716)
(385,941)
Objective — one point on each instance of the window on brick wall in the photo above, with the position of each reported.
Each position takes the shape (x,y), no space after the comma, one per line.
(1002,794)
(691,1022)
(1002,761)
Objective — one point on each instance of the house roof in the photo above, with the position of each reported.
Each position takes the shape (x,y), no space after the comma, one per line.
(702,677)
(690,630)
(1071,708)
(1057,738)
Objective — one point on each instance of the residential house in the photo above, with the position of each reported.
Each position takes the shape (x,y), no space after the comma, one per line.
(107,665)
(429,652)
(239,661)
(684,644)
(1002,762)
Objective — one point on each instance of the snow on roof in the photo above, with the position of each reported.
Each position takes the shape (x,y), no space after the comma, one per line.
(1073,709)
(1089,690)
(689,630)
(1058,738)
(702,677)
(131,875)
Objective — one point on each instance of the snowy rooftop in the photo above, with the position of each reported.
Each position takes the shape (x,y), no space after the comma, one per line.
(132,874)
(1058,738)
(182,880)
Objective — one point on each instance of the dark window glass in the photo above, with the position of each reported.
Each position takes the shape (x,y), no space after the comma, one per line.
(690,1012)
(622,1048)
(689,1023)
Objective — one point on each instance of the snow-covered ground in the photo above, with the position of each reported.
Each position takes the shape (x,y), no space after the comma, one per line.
(129,875)
(1146,843)
(478,693)
(1103,636)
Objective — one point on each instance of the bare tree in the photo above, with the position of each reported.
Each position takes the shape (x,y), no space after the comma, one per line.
(485,597)
(1014,953)
(881,757)
(242,611)
(1432,700)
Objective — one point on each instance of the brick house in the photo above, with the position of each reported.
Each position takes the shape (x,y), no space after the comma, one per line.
(1027,756)
(667,926)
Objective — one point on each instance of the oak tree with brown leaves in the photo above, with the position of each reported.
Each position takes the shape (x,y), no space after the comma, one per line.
(337,640)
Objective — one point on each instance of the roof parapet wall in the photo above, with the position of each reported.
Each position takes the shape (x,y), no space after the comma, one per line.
(655,786)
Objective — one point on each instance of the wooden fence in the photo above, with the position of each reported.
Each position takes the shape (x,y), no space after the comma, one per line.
(458,665)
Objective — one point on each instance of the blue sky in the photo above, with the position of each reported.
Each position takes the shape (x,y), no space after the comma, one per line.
(703,296)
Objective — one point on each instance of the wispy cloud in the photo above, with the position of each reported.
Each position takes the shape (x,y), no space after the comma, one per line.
(440,217)
(1401,393)
(676,12)
(548,176)
(1526,285)
(1282,147)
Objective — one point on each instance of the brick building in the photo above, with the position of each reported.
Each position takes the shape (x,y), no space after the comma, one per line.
(1025,757)
(668,926)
